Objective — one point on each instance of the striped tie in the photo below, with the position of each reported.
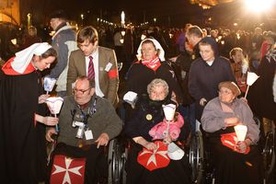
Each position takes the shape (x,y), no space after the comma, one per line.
(91,72)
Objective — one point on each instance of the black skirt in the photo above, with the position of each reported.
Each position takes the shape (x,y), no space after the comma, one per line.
(233,167)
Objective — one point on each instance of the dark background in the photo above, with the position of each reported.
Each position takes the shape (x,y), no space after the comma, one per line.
(172,13)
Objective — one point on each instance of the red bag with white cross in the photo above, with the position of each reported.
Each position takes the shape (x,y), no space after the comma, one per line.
(154,159)
(67,170)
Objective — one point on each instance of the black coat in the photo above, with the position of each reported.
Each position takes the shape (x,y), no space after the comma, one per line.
(260,94)
(22,144)
(139,76)
(148,114)
(204,79)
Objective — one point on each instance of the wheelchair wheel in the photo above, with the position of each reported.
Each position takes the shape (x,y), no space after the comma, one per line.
(196,157)
(269,156)
(257,121)
(116,162)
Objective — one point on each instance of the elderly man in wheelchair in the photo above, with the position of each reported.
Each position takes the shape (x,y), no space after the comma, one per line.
(234,153)
(87,123)
(154,155)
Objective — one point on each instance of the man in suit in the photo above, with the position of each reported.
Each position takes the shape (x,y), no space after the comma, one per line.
(105,69)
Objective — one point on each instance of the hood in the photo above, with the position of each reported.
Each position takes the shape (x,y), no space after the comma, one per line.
(211,41)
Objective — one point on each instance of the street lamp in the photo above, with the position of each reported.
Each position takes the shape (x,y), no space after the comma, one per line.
(29,21)
(123,19)
(154,20)
(82,17)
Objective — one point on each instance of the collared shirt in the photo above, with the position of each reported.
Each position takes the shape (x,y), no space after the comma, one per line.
(210,62)
(95,56)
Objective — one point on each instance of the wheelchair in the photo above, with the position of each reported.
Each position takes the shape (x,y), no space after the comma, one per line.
(199,158)
(269,156)
(202,171)
(118,153)
(117,156)
(196,156)
(268,152)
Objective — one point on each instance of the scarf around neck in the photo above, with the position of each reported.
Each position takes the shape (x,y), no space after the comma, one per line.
(152,63)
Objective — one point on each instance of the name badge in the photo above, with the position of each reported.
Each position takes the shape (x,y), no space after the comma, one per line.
(108,66)
(88,135)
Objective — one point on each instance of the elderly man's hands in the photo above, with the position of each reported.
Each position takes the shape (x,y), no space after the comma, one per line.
(102,140)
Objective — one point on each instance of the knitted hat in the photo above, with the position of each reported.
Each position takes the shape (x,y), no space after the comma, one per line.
(232,86)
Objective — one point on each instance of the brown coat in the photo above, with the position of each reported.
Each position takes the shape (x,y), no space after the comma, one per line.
(108,84)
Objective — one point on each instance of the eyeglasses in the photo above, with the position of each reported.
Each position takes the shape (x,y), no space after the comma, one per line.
(80,90)
(225,92)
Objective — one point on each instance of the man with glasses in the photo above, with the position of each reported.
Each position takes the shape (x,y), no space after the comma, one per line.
(96,62)
(87,123)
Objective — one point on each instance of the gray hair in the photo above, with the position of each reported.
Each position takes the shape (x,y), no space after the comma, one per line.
(158,82)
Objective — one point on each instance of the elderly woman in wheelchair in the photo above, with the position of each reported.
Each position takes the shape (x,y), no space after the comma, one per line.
(154,155)
(232,137)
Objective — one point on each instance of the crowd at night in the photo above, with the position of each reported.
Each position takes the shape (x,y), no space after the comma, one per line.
(120,92)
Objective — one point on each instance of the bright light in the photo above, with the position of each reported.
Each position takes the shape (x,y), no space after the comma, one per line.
(123,33)
(123,18)
(258,5)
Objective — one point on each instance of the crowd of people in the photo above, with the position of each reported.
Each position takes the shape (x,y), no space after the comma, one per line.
(200,73)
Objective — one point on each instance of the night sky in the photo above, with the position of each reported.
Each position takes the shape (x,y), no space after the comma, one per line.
(167,12)
(136,10)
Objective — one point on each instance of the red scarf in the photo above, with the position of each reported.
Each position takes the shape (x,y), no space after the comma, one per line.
(152,64)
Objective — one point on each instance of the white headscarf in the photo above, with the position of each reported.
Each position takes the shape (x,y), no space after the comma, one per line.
(23,58)
(157,45)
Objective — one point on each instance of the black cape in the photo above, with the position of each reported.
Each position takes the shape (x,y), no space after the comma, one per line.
(22,144)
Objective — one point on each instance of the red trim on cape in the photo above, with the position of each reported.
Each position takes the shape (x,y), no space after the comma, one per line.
(8,70)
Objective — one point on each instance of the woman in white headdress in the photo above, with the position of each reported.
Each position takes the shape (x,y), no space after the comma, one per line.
(22,115)
(150,65)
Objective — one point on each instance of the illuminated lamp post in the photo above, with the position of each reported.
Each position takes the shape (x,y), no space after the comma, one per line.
(82,18)
(123,19)
(154,20)
(29,20)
